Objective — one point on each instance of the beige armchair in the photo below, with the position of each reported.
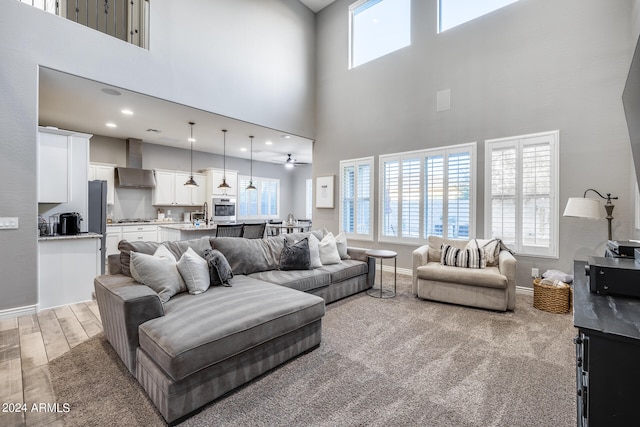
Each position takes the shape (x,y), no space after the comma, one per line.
(492,287)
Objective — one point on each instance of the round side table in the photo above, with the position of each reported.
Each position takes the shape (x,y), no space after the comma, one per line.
(384,254)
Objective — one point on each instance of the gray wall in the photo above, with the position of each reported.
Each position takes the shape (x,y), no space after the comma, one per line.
(252,60)
(533,66)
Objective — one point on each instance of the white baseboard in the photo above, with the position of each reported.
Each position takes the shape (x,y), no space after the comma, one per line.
(389,269)
(18,311)
(524,290)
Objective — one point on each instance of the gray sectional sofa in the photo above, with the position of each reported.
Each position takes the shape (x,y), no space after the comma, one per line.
(192,349)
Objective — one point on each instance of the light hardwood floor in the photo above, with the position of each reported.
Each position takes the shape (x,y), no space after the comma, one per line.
(27,344)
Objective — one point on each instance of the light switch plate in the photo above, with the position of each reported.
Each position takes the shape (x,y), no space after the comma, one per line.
(9,223)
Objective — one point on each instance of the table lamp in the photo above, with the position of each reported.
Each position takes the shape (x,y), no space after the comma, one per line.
(581,207)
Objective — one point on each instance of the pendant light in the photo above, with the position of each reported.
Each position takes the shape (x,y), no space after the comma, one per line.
(190,182)
(224,162)
(251,186)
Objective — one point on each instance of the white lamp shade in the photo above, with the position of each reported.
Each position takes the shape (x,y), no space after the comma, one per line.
(580,207)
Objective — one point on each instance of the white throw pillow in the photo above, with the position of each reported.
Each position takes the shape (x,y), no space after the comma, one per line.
(163,252)
(194,271)
(160,273)
(314,251)
(491,248)
(329,250)
(341,244)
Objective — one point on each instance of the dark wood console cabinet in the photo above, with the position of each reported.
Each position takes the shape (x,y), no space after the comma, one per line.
(607,356)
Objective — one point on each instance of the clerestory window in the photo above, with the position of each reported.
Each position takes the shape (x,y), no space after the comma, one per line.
(378,27)
(452,13)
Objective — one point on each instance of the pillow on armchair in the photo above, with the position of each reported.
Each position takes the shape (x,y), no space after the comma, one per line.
(491,248)
(467,258)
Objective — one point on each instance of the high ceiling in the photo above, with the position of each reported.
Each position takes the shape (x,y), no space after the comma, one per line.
(82,105)
(317,5)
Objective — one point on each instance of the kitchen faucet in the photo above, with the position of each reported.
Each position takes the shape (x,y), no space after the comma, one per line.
(206,213)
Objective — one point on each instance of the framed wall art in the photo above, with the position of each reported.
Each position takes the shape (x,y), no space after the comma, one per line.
(324,191)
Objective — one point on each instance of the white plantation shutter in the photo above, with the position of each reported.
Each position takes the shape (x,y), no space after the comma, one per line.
(348,196)
(411,197)
(391,196)
(356,188)
(458,195)
(364,190)
(522,203)
(261,203)
(434,196)
(428,192)
(536,195)
(503,194)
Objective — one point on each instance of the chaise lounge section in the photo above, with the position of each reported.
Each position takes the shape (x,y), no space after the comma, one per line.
(191,349)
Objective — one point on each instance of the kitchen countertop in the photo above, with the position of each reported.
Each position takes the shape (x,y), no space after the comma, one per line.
(75,237)
(188,226)
(114,224)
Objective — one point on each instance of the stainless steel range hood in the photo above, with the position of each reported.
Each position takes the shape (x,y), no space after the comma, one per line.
(133,176)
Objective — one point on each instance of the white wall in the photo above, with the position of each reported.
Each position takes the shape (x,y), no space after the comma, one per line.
(252,60)
(533,66)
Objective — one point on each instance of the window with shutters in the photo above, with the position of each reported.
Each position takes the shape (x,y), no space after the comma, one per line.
(521,206)
(262,203)
(356,198)
(428,192)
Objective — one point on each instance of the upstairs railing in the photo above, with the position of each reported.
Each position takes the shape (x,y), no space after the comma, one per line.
(127,20)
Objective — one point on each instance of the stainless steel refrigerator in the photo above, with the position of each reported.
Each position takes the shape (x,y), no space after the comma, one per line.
(98,216)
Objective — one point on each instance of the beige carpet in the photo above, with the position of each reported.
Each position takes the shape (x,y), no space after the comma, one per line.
(395,362)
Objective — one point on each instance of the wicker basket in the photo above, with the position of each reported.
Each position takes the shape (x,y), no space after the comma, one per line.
(551,298)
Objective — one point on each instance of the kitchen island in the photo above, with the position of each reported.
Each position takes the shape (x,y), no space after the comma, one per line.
(67,266)
(185,231)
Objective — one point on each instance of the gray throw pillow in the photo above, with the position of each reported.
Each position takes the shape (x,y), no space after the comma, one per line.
(160,273)
(296,256)
(194,271)
(220,273)
(125,247)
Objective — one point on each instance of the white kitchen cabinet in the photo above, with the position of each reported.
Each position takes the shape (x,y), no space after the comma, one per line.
(104,172)
(182,193)
(165,189)
(66,269)
(142,233)
(199,193)
(170,189)
(114,235)
(214,179)
(54,166)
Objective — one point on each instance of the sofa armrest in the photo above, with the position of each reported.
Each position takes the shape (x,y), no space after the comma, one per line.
(359,254)
(420,258)
(124,305)
(113,264)
(507,267)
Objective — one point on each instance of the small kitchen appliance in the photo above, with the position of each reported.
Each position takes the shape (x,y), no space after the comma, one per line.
(69,224)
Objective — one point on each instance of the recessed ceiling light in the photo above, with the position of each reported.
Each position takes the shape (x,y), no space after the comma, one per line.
(243,149)
(127,112)
(286,136)
(269,143)
(110,91)
(111,125)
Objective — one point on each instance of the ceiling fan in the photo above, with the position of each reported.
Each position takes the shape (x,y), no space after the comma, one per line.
(291,162)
